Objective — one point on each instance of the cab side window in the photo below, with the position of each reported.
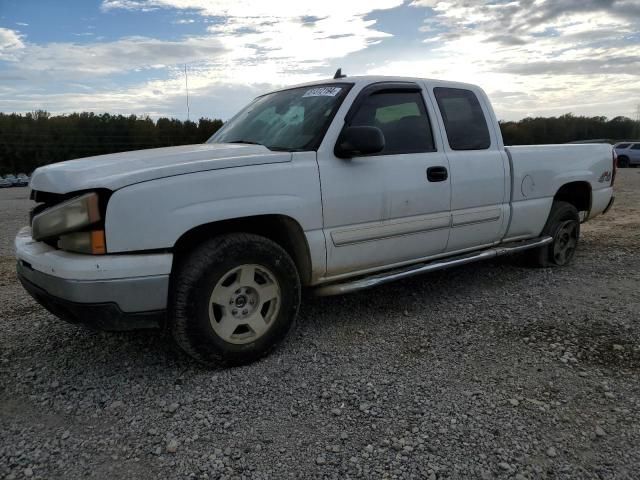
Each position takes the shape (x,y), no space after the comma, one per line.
(636,146)
(463,118)
(403,119)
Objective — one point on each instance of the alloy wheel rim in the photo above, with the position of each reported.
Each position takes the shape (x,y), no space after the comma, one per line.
(244,304)
(566,240)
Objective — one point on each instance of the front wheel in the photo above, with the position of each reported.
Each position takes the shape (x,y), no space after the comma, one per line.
(234,299)
(563,225)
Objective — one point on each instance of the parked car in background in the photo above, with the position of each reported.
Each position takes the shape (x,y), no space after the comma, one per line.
(4,183)
(628,154)
(12,178)
(22,180)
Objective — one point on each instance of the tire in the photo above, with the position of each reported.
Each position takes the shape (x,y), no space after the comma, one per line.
(623,162)
(220,313)
(563,225)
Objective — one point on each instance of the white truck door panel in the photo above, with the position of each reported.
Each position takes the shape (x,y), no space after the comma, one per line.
(381,210)
(478,207)
(388,226)
(478,170)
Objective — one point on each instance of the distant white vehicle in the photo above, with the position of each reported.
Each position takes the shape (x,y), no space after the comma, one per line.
(11,178)
(22,180)
(335,186)
(628,154)
(4,183)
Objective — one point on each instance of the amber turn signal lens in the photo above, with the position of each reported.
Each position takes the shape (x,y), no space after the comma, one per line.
(91,242)
(98,244)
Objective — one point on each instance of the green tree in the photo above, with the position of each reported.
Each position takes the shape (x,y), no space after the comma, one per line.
(30,140)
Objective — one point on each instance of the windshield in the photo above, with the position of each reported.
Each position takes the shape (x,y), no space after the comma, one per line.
(291,120)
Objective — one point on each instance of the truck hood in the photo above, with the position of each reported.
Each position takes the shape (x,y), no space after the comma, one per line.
(118,170)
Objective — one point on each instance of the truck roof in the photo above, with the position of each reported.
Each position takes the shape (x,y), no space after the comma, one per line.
(367,79)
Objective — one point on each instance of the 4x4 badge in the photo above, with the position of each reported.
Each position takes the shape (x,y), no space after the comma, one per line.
(605,177)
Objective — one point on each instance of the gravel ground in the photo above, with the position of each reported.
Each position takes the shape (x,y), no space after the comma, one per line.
(486,371)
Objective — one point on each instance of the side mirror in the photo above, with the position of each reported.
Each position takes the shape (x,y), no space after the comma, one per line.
(355,141)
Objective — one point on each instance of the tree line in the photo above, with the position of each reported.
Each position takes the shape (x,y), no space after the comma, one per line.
(30,140)
(569,128)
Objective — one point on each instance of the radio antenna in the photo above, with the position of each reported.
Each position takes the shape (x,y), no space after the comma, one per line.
(339,74)
(186,84)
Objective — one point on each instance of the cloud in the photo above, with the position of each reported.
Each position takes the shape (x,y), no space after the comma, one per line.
(539,13)
(279,42)
(535,37)
(507,39)
(503,21)
(290,41)
(108,5)
(10,43)
(70,60)
(608,65)
(532,56)
(259,8)
(558,54)
(279,35)
(154,98)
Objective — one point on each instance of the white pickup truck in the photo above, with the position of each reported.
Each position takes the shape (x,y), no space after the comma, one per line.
(334,186)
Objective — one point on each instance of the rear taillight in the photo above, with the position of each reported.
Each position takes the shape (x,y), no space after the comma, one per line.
(615,165)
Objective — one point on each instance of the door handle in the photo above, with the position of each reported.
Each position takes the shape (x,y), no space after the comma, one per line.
(437,174)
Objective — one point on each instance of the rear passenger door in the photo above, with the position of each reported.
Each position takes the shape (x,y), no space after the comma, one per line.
(478,166)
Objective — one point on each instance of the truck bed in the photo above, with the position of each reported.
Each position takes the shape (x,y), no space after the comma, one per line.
(537,173)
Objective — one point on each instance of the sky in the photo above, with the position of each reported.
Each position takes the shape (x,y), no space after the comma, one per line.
(532,57)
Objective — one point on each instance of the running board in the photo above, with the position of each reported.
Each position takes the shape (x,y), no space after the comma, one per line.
(420,268)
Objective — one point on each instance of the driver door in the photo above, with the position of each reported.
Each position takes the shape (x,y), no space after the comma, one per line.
(386,209)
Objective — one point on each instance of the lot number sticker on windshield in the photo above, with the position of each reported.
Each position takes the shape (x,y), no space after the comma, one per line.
(322,92)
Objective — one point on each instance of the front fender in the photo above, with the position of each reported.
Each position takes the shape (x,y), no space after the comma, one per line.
(154,215)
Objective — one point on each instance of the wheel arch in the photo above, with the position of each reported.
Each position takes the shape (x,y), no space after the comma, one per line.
(282,229)
(576,193)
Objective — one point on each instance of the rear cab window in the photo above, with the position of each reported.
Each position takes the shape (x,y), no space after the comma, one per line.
(623,145)
(464,120)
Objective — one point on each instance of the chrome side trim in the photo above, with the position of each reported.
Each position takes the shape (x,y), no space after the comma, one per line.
(475,222)
(392,228)
(478,216)
(390,276)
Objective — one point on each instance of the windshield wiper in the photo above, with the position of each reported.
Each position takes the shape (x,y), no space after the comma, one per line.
(272,148)
(284,149)
(248,142)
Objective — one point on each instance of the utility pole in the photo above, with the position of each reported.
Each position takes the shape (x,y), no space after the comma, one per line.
(186,84)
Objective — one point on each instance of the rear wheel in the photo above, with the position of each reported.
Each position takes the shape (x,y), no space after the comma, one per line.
(563,225)
(235,298)
(623,162)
